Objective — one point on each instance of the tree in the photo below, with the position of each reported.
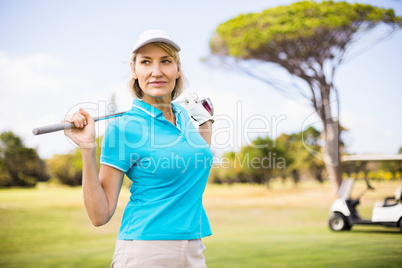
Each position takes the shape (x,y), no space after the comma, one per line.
(67,168)
(309,41)
(259,162)
(266,159)
(300,160)
(19,165)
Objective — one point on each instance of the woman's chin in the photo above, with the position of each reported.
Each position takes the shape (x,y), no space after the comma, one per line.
(160,95)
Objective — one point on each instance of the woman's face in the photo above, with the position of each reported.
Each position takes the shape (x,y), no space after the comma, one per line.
(156,72)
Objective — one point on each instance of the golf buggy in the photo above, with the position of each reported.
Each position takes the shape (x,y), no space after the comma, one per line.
(344,212)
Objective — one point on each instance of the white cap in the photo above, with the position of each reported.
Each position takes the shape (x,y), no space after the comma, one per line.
(151,36)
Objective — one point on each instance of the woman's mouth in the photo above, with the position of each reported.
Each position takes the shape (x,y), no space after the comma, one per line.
(157,83)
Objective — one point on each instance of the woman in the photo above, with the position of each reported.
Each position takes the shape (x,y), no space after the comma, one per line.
(156,145)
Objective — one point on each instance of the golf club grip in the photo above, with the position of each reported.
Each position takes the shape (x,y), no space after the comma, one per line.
(52,128)
(68,125)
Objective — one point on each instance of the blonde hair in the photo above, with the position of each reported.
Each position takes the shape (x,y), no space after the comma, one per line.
(181,82)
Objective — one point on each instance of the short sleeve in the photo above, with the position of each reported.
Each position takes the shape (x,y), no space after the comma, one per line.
(113,151)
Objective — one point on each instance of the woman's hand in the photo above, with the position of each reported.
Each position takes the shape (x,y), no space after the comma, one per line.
(196,110)
(84,133)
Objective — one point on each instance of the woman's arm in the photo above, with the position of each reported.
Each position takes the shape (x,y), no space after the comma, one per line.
(205,131)
(101,191)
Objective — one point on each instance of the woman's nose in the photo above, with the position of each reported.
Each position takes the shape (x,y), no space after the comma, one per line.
(156,70)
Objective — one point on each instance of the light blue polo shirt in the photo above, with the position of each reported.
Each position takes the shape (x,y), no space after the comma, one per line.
(168,166)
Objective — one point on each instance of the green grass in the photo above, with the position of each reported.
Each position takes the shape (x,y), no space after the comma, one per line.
(253,227)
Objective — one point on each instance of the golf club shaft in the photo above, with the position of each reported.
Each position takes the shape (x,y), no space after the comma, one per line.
(68,125)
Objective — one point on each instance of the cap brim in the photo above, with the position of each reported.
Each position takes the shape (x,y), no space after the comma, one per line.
(154,40)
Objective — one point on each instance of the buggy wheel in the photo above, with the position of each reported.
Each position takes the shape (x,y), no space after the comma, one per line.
(338,222)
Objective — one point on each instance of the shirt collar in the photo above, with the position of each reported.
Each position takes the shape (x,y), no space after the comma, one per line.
(151,110)
(175,109)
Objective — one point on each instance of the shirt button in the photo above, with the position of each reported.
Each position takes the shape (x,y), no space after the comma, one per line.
(180,134)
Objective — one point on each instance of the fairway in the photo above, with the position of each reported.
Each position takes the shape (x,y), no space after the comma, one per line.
(253,227)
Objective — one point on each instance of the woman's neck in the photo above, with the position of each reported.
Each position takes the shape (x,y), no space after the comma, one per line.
(164,104)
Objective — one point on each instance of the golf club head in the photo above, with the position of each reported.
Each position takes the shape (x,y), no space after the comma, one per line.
(207,103)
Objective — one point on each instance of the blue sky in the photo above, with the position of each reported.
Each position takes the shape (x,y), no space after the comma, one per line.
(58,55)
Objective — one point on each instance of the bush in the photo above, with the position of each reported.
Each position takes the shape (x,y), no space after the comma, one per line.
(19,165)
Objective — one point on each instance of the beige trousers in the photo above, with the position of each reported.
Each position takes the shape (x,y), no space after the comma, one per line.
(159,254)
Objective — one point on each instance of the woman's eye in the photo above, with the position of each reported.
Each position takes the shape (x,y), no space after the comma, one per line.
(166,61)
(145,62)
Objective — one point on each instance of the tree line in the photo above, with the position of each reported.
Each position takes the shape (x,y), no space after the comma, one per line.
(22,166)
(265,159)
(293,157)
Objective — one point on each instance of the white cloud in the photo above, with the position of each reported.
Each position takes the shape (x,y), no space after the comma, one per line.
(30,73)
(34,91)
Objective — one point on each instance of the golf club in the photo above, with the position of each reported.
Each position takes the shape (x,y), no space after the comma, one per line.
(67,125)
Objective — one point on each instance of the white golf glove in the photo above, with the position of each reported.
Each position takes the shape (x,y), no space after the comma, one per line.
(195,108)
